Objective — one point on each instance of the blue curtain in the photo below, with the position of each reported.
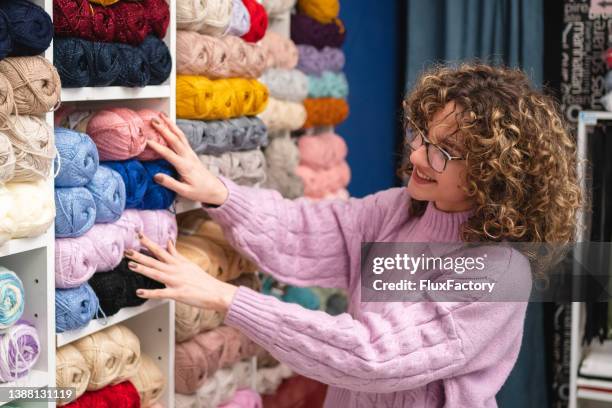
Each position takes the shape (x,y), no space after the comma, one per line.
(495,31)
(508,32)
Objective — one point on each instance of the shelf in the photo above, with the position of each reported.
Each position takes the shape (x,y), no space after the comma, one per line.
(595,395)
(15,246)
(108,93)
(101,324)
(183,205)
(35,379)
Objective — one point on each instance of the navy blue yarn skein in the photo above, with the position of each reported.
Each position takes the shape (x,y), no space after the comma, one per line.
(135,70)
(75,211)
(6,37)
(78,158)
(71,59)
(157,197)
(135,179)
(160,60)
(31,27)
(108,190)
(74,307)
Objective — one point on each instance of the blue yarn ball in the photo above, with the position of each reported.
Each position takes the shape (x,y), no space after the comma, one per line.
(157,197)
(302,296)
(75,211)
(74,307)
(72,61)
(135,69)
(6,38)
(328,85)
(78,157)
(134,177)
(106,63)
(108,191)
(160,60)
(31,27)
(12,298)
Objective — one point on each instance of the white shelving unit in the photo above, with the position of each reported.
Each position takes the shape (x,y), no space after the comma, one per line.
(583,398)
(33,259)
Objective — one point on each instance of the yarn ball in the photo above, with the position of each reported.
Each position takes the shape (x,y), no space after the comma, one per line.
(84,63)
(26,209)
(71,371)
(108,191)
(157,197)
(76,211)
(75,261)
(289,85)
(325,111)
(21,348)
(122,395)
(318,183)
(130,351)
(328,85)
(313,61)
(245,168)
(78,157)
(240,21)
(222,386)
(276,7)
(103,357)
(324,11)
(206,17)
(149,381)
(7,99)
(129,225)
(150,134)
(283,153)
(269,379)
(220,136)
(6,39)
(159,226)
(281,51)
(158,16)
(158,58)
(136,69)
(134,177)
(31,27)
(74,307)
(118,133)
(307,30)
(322,151)
(202,98)
(35,82)
(34,147)
(109,245)
(7,159)
(104,2)
(214,57)
(244,398)
(286,182)
(336,304)
(283,115)
(192,320)
(12,298)
(258,19)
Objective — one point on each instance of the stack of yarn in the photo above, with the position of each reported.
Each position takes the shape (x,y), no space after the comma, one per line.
(116,44)
(208,366)
(285,113)
(19,340)
(29,88)
(108,369)
(102,207)
(319,35)
(217,92)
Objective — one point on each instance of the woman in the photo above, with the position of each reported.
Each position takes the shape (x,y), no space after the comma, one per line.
(489,161)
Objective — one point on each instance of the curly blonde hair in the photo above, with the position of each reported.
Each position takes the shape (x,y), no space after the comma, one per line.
(520,155)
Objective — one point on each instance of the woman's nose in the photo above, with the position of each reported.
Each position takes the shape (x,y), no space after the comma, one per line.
(418,157)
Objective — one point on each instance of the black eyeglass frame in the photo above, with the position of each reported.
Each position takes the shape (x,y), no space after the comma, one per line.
(428,144)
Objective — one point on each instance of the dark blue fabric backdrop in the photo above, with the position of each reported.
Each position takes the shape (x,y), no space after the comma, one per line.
(373,70)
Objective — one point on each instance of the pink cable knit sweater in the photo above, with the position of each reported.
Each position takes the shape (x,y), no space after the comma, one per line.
(392,354)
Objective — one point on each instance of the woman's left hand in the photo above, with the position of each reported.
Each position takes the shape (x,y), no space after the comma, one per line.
(185,281)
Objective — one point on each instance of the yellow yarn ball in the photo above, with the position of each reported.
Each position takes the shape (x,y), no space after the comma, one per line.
(104,2)
(71,371)
(198,97)
(103,357)
(130,351)
(149,381)
(324,11)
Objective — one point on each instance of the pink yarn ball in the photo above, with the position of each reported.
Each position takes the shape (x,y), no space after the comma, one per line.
(318,183)
(322,151)
(130,224)
(74,262)
(118,133)
(159,225)
(150,134)
(108,243)
(244,398)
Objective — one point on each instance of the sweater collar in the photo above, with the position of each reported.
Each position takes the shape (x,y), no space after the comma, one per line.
(443,226)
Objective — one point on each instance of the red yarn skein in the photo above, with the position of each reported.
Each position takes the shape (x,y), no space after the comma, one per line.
(158,15)
(131,21)
(259,21)
(122,395)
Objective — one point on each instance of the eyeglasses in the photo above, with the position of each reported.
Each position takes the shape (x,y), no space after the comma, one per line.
(437,157)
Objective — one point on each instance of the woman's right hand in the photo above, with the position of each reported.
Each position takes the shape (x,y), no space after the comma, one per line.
(196,182)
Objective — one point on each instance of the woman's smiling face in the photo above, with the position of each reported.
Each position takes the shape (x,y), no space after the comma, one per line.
(446,189)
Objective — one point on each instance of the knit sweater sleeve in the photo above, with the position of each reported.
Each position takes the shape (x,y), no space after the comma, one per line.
(299,242)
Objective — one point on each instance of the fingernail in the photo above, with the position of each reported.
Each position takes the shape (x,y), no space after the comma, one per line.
(128,252)
(140,236)
(140,292)
(156,121)
(163,114)
(158,177)
(132,265)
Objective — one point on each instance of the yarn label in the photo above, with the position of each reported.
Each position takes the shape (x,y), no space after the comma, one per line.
(487,272)
(35,394)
